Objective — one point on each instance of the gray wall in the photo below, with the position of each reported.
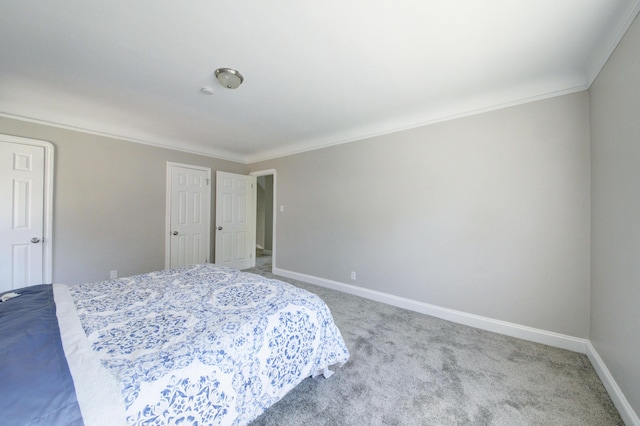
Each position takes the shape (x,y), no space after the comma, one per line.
(615,257)
(486,214)
(109,201)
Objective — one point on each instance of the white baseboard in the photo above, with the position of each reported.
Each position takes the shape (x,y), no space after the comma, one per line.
(627,413)
(509,329)
(557,340)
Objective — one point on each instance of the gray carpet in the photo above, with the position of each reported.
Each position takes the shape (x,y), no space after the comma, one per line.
(412,369)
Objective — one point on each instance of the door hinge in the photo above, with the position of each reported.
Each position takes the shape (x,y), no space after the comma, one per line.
(207,181)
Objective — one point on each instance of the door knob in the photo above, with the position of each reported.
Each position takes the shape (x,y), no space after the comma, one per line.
(35,240)
(219,228)
(175,232)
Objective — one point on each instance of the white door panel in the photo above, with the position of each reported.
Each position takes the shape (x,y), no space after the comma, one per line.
(189,214)
(235,220)
(22,191)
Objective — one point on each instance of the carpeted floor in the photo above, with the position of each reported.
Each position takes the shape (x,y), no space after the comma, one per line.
(412,369)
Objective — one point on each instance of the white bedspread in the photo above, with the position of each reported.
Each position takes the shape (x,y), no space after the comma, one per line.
(206,345)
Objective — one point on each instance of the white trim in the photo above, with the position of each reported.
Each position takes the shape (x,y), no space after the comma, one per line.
(47,229)
(297,147)
(172,144)
(497,326)
(629,416)
(253,203)
(167,217)
(368,132)
(271,172)
(622,30)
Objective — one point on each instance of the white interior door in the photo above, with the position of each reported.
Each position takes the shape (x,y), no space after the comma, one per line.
(235,220)
(22,191)
(189,208)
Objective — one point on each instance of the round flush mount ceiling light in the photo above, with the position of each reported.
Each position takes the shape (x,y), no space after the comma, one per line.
(229,78)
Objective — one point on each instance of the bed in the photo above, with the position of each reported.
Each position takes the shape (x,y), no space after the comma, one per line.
(194,345)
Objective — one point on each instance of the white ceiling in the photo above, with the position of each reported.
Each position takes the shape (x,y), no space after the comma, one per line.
(316,73)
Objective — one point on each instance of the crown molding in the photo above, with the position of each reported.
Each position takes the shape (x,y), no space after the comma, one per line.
(172,145)
(613,43)
(375,131)
(348,136)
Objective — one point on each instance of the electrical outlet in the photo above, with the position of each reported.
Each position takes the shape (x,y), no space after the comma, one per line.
(113,274)
(353,275)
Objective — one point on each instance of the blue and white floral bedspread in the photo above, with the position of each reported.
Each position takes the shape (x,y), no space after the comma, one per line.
(206,345)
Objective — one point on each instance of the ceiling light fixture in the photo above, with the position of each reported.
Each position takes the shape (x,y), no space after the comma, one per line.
(229,78)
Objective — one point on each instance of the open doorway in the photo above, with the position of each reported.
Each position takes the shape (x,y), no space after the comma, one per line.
(265,220)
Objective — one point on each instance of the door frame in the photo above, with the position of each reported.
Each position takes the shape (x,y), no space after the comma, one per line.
(275,213)
(47,220)
(167,219)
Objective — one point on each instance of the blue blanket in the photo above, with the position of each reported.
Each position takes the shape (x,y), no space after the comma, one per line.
(36,387)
